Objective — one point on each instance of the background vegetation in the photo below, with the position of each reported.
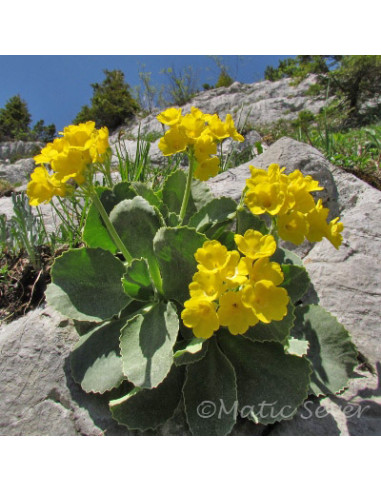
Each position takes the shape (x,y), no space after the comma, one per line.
(15,121)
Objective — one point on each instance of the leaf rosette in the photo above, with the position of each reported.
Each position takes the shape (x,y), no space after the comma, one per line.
(191,298)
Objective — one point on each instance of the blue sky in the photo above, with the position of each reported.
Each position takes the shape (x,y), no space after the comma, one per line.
(55,87)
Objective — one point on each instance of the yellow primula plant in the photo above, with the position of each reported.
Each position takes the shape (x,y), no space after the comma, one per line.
(183,300)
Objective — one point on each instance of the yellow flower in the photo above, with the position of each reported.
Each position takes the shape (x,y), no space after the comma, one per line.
(217,128)
(261,269)
(42,187)
(334,230)
(309,183)
(204,146)
(200,315)
(50,151)
(100,144)
(257,176)
(207,169)
(231,129)
(265,197)
(299,196)
(197,113)
(293,227)
(174,141)
(255,245)
(79,135)
(234,314)
(231,274)
(71,164)
(268,301)
(317,220)
(170,116)
(206,284)
(192,127)
(212,257)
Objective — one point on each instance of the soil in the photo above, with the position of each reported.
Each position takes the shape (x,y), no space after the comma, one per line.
(22,287)
(372,178)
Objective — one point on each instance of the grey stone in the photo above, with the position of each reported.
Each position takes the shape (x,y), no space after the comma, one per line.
(18,172)
(9,150)
(355,412)
(251,105)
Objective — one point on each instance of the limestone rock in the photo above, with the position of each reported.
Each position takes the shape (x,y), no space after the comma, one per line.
(18,172)
(251,105)
(10,150)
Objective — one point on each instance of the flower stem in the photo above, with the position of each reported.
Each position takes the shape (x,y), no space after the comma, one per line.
(111,229)
(155,275)
(274,228)
(187,188)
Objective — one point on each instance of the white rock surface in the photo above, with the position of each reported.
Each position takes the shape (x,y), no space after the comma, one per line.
(251,105)
(18,172)
(9,150)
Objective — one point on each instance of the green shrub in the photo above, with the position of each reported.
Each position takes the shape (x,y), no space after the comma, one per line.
(182,86)
(15,119)
(224,79)
(111,104)
(42,132)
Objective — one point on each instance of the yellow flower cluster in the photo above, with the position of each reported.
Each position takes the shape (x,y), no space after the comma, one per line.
(289,197)
(68,158)
(197,131)
(233,290)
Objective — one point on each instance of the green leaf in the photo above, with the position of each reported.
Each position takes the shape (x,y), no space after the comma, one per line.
(144,190)
(286,256)
(136,222)
(209,384)
(172,219)
(246,220)
(146,409)
(137,282)
(271,384)
(146,344)
(189,351)
(227,239)
(95,360)
(276,331)
(86,285)
(331,351)
(95,233)
(296,281)
(175,249)
(200,193)
(297,347)
(174,189)
(217,211)
(173,192)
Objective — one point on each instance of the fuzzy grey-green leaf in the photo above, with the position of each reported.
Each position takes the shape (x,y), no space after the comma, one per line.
(146,344)
(86,285)
(175,249)
(271,385)
(331,351)
(136,222)
(296,281)
(276,331)
(95,360)
(209,384)
(147,408)
(217,211)
(95,233)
